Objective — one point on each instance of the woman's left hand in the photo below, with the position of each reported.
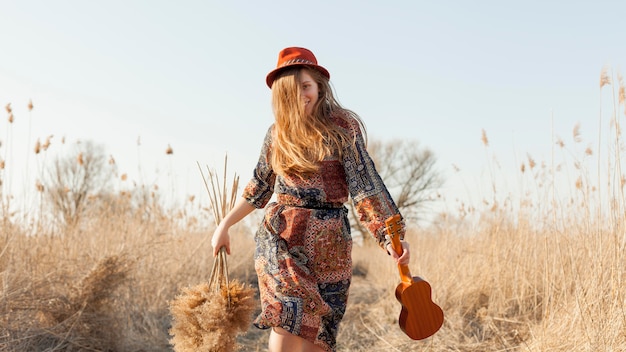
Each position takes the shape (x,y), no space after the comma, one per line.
(403,259)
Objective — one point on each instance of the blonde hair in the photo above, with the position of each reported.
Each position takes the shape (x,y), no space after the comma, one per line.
(301,141)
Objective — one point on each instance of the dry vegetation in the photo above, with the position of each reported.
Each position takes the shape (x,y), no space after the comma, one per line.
(540,272)
(209,316)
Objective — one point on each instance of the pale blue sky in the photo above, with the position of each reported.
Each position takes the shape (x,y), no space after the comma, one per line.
(192,74)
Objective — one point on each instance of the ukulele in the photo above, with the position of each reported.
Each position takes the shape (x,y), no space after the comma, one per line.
(420,316)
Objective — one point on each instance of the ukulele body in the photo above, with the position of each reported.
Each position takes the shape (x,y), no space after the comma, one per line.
(420,317)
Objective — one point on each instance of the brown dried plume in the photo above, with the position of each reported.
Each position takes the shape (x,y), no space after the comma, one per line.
(203,320)
(209,316)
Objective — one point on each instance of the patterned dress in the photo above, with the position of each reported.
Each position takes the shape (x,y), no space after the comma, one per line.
(303,246)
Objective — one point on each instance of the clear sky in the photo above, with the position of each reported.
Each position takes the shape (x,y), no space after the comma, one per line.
(191,74)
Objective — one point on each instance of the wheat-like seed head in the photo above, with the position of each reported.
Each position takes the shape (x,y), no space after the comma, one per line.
(531,161)
(37,146)
(11,119)
(484,139)
(579,183)
(576,133)
(560,142)
(8,108)
(604,77)
(80,159)
(169,150)
(30,105)
(46,144)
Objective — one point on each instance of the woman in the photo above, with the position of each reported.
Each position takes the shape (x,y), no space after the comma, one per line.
(313,158)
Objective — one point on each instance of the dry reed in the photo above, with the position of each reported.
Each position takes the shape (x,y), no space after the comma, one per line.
(209,316)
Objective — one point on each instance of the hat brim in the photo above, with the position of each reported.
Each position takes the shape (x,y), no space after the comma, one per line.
(272,75)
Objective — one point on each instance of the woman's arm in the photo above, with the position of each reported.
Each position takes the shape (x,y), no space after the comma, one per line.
(370,195)
(256,195)
(221,238)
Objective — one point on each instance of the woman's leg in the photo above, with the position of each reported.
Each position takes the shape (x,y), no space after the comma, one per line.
(308,346)
(283,341)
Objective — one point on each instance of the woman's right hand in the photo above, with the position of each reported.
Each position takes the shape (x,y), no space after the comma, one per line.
(220,239)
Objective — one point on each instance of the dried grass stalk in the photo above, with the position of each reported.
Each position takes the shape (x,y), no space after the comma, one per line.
(209,316)
(77,318)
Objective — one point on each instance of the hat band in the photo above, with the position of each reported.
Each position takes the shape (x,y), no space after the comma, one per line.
(298,61)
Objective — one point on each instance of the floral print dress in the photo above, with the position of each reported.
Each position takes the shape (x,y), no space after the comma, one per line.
(303,246)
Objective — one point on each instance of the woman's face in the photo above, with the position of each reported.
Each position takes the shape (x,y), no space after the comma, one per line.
(309,91)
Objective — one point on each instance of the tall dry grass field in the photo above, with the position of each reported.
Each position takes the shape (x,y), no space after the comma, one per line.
(543,271)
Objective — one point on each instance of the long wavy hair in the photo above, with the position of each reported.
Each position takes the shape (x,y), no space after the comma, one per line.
(301,141)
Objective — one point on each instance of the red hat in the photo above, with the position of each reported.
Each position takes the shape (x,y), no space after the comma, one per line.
(294,57)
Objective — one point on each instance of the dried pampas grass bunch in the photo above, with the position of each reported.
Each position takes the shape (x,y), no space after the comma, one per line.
(209,316)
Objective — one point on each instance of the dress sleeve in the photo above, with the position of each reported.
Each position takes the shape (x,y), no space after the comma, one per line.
(370,196)
(260,188)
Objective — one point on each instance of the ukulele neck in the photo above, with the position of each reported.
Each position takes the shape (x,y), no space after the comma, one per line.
(405,274)
(393,230)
